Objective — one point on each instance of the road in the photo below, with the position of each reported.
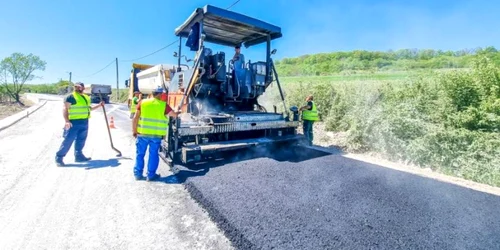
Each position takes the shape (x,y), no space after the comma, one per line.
(291,199)
(96,205)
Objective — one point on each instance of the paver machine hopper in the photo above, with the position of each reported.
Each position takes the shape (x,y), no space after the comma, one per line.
(219,105)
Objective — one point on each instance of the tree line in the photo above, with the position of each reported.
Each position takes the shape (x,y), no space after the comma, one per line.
(404,59)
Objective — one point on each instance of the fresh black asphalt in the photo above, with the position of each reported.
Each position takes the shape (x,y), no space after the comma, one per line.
(304,199)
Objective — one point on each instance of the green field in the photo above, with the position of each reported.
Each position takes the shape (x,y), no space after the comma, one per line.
(448,120)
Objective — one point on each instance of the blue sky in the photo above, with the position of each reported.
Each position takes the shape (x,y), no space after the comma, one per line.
(84,36)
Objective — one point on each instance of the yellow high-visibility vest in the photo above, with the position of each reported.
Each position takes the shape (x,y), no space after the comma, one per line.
(133,106)
(152,120)
(80,110)
(310,115)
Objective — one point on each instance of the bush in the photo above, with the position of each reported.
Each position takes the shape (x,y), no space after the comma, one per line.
(447,121)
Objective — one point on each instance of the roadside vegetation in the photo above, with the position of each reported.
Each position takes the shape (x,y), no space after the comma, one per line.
(350,62)
(444,119)
(122,95)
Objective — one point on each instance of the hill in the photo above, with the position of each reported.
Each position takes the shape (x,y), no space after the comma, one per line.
(404,59)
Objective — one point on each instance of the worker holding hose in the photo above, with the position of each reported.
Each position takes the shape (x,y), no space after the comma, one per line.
(76,113)
(150,125)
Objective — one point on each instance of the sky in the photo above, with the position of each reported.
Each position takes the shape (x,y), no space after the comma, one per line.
(84,36)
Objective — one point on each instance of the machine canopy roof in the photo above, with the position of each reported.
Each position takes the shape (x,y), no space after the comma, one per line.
(228,28)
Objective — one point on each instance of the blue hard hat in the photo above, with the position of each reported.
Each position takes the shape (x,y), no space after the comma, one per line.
(158,90)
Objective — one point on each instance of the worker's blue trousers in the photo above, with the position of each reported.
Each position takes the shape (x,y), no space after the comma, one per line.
(307,126)
(78,134)
(142,143)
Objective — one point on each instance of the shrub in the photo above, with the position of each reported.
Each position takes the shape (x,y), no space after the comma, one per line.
(447,121)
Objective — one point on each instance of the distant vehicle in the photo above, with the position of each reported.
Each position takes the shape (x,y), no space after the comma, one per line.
(93,92)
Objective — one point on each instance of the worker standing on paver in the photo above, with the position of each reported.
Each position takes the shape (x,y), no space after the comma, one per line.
(133,103)
(149,126)
(309,116)
(238,58)
(76,113)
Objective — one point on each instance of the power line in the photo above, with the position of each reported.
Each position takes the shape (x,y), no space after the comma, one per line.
(98,70)
(230,6)
(151,53)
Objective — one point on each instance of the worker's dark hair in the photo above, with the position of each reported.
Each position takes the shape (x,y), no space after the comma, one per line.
(310,97)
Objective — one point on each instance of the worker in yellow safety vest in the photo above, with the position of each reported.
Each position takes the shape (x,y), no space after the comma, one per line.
(76,114)
(150,125)
(133,103)
(309,116)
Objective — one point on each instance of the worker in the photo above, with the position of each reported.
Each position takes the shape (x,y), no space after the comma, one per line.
(164,97)
(238,58)
(76,114)
(149,127)
(309,116)
(133,103)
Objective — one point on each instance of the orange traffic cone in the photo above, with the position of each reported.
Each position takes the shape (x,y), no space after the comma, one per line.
(112,123)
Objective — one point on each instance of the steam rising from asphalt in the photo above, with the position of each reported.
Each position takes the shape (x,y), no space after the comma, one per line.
(266,101)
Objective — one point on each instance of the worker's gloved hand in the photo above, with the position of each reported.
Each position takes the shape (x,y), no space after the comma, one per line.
(134,135)
(67,125)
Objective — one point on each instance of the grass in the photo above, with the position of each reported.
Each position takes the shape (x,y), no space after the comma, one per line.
(123,95)
(446,120)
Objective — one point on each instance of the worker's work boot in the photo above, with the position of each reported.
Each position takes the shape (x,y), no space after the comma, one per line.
(139,177)
(59,162)
(82,158)
(154,177)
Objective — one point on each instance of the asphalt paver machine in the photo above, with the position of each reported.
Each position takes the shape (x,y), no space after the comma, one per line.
(219,105)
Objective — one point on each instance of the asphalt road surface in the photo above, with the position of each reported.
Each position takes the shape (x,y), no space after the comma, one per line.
(303,199)
(293,198)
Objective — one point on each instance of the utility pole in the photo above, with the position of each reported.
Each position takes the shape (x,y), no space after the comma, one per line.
(69,84)
(117,82)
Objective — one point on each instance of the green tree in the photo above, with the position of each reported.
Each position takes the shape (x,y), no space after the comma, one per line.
(19,69)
